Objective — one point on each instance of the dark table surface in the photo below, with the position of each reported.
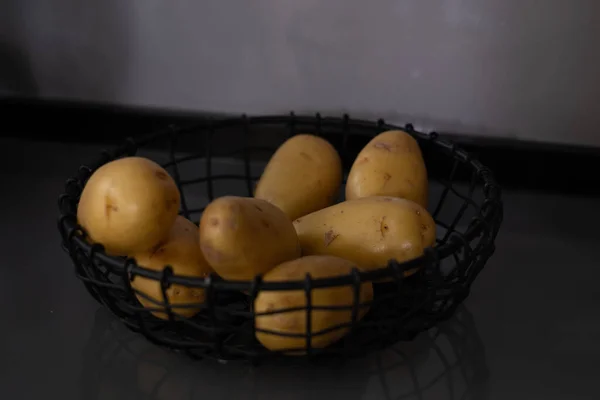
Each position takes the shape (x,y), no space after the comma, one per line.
(530,328)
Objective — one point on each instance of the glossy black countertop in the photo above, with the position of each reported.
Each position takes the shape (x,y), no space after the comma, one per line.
(530,328)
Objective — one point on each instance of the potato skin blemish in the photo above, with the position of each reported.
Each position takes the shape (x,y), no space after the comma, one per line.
(383,227)
(161,175)
(330,236)
(109,207)
(384,146)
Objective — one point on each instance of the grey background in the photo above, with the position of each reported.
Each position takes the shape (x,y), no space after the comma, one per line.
(513,68)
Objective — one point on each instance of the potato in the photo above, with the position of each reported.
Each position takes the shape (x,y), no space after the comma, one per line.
(242,237)
(182,252)
(390,165)
(294,322)
(128,205)
(369,231)
(304,175)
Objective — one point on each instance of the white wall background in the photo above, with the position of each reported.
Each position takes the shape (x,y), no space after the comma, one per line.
(518,68)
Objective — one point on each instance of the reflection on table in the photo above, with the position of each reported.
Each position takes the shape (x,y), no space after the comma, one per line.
(446,362)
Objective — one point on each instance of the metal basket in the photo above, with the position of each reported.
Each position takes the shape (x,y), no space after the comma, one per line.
(465,203)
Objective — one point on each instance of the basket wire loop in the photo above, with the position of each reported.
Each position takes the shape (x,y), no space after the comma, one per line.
(66,206)
(356,296)
(398,272)
(247,144)
(66,236)
(165,283)
(128,275)
(130,265)
(461,211)
(208,145)
(177,175)
(292,125)
(84,174)
(78,262)
(69,186)
(254,291)
(92,273)
(209,292)
(432,271)
(308,292)
(447,187)
(129,148)
(345,133)
(319,121)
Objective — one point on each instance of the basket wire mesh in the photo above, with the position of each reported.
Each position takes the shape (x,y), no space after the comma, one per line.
(467,210)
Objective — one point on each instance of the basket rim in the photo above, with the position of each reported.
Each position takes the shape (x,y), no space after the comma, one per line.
(73,233)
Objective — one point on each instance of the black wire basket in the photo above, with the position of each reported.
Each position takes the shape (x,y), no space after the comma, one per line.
(225,157)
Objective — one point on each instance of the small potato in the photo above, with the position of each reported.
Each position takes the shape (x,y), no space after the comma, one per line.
(294,322)
(182,252)
(242,237)
(390,165)
(369,231)
(304,175)
(128,205)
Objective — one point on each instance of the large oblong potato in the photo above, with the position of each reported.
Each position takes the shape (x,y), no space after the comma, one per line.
(304,175)
(128,205)
(294,322)
(242,237)
(369,231)
(182,252)
(391,164)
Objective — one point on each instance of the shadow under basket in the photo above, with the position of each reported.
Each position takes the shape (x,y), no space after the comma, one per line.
(225,157)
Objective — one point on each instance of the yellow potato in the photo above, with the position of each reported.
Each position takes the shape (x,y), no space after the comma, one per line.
(390,165)
(294,322)
(128,205)
(242,237)
(427,223)
(182,252)
(304,175)
(369,231)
